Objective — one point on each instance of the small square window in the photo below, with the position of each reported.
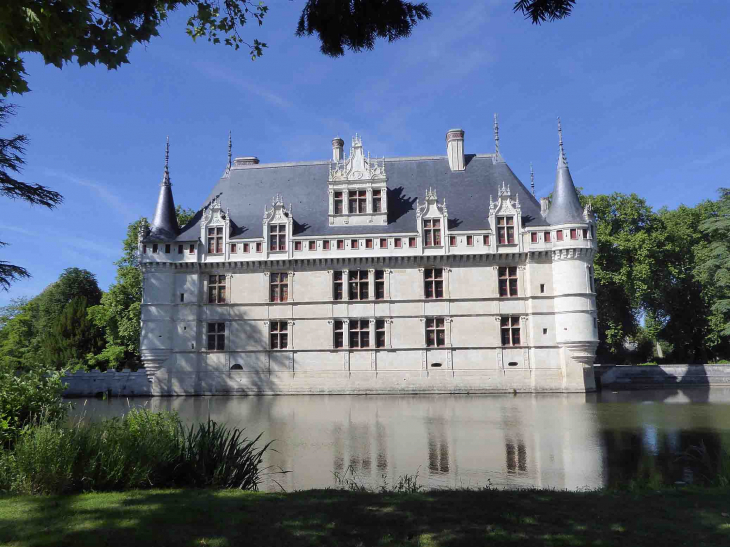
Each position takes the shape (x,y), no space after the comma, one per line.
(573,233)
(533,237)
(542,288)
(259,247)
(340,244)
(167,249)
(383,243)
(470,240)
(179,249)
(191,249)
(246,248)
(144,249)
(353,244)
(297,245)
(546,237)
(368,243)
(312,245)
(585,233)
(326,245)
(234,248)
(544,331)
(412,242)
(452,241)
(559,235)
(397,243)
(485,240)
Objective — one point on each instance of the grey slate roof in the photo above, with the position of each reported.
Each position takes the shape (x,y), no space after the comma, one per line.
(164,224)
(304,185)
(565,207)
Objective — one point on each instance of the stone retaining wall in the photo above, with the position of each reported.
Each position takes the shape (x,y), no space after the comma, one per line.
(618,377)
(97,383)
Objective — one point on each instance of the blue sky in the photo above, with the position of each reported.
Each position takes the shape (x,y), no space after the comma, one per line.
(641,87)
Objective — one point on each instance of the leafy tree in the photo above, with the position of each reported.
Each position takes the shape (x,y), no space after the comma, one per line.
(11,161)
(539,11)
(120,311)
(72,337)
(714,268)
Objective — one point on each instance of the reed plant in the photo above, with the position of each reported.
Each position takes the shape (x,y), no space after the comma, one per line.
(142,449)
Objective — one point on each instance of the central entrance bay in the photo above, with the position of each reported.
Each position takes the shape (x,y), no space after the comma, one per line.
(560,441)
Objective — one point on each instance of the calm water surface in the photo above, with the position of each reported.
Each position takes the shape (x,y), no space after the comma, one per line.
(552,440)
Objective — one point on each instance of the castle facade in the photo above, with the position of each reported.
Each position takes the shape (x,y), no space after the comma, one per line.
(371,275)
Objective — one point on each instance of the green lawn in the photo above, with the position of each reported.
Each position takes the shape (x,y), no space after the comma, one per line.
(330,517)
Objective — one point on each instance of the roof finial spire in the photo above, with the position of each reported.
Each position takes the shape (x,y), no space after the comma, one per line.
(230,150)
(532,179)
(562,161)
(496,135)
(166,175)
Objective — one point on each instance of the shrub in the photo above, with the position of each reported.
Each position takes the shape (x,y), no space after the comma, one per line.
(139,450)
(28,396)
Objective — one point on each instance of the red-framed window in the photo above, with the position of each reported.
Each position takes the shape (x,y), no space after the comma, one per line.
(433,282)
(278,335)
(507,281)
(359,333)
(277,237)
(533,237)
(547,237)
(217,289)
(339,201)
(435,332)
(505,230)
(359,285)
(510,327)
(279,286)
(358,201)
(312,245)
(215,240)
(432,232)
(337,285)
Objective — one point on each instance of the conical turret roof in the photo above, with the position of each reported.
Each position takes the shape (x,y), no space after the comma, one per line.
(565,207)
(164,225)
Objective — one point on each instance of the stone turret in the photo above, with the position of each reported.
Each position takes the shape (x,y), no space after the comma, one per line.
(565,207)
(164,225)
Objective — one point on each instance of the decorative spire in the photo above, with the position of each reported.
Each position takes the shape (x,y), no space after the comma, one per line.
(532,179)
(562,159)
(166,174)
(230,151)
(496,135)
(565,207)
(164,225)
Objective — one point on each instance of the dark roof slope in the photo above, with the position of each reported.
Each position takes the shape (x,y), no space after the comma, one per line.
(164,224)
(565,207)
(304,185)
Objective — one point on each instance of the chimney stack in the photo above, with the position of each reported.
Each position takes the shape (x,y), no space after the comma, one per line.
(338,146)
(455,149)
(544,206)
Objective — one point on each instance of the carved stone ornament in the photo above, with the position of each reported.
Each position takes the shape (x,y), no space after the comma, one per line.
(430,207)
(504,204)
(357,167)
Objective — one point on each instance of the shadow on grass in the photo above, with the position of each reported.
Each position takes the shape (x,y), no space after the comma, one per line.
(333,517)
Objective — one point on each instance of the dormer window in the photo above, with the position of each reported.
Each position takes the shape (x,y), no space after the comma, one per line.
(432,232)
(339,201)
(215,240)
(277,237)
(506,230)
(358,201)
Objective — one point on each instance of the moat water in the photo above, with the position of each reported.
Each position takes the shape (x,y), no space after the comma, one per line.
(548,440)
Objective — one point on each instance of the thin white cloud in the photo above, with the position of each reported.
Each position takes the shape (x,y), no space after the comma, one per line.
(225,75)
(86,246)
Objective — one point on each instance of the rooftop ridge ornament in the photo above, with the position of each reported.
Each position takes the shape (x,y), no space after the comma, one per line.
(562,161)
(166,174)
(532,180)
(230,151)
(357,166)
(496,135)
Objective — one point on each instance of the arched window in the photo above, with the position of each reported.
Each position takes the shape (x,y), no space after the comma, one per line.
(236,367)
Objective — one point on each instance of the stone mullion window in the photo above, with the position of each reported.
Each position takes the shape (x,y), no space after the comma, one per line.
(340,331)
(378,288)
(278,287)
(278,335)
(338,285)
(505,230)
(215,240)
(435,332)
(432,232)
(217,289)
(510,331)
(216,334)
(507,281)
(433,283)
(277,237)
(359,285)
(359,333)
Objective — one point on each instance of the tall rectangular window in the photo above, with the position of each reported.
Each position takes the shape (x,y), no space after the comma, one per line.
(590,278)
(412,242)
(546,236)
(233,248)
(469,241)
(337,282)
(217,289)
(383,243)
(452,241)
(167,248)
(510,327)
(380,333)
(215,240)
(359,285)
(338,203)
(368,243)
(435,332)
(354,244)
(433,279)
(180,249)
(340,244)
(246,248)
(312,245)
(326,245)
(585,233)
(144,248)
(277,237)
(191,249)
(358,201)
(278,335)
(573,233)
(485,240)
(359,333)
(533,237)
(297,245)
(377,201)
(339,334)
(279,286)
(397,243)
(379,284)
(259,247)
(432,232)
(216,336)
(155,248)
(559,235)
(506,230)
(507,280)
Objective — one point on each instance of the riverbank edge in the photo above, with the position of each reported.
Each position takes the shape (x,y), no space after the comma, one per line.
(689,515)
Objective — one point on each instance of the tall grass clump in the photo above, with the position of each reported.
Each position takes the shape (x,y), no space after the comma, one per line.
(142,449)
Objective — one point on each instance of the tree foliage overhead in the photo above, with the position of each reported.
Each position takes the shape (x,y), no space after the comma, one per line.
(539,11)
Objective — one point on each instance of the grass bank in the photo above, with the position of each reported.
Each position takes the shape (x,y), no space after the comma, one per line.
(691,516)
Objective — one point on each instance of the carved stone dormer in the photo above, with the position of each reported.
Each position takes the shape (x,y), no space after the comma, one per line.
(278,224)
(215,228)
(505,219)
(357,187)
(432,222)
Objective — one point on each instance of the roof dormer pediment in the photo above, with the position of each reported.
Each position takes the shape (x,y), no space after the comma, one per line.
(357,167)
